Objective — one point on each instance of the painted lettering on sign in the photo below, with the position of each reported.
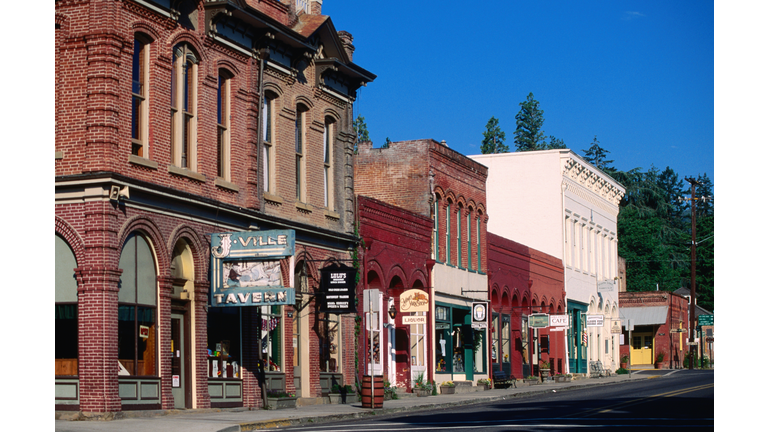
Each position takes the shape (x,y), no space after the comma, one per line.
(254,298)
(414,300)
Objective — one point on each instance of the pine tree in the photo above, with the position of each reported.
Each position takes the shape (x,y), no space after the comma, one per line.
(493,138)
(530,119)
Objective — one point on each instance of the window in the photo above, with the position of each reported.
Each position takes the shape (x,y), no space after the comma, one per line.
(418,342)
(477,239)
(184,108)
(139,102)
(328,133)
(223,117)
(329,334)
(469,240)
(271,337)
(268,156)
(443,341)
(137,309)
(300,145)
(448,234)
(223,336)
(436,230)
(458,237)
(66,309)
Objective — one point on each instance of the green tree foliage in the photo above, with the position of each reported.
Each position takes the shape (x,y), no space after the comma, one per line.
(493,138)
(361,130)
(654,229)
(598,157)
(530,119)
(555,143)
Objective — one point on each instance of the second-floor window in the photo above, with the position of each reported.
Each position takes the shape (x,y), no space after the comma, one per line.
(184,108)
(300,139)
(139,100)
(328,133)
(223,126)
(268,152)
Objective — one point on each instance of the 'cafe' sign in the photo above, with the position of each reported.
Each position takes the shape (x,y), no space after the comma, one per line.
(414,300)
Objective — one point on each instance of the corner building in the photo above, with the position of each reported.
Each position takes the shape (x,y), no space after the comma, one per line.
(179,123)
(557,203)
(430,179)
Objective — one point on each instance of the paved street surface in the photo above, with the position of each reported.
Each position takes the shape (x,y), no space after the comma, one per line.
(650,398)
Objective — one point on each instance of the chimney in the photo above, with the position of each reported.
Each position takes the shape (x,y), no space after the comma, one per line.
(346,41)
(315,7)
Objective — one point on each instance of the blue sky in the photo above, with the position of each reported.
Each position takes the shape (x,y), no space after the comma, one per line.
(638,75)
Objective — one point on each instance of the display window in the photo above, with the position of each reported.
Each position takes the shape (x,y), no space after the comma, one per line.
(443,339)
(329,335)
(137,309)
(224,351)
(66,310)
(271,337)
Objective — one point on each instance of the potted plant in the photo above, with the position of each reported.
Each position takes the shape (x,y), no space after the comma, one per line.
(563,378)
(659,360)
(530,380)
(342,394)
(421,386)
(544,368)
(485,383)
(390,391)
(447,387)
(279,399)
(623,362)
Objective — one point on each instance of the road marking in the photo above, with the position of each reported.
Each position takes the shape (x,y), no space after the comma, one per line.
(610,408)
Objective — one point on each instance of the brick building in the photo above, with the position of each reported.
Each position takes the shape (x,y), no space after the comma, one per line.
(660,321)
(430,179)
(396,252)
(179,123)
(524,281)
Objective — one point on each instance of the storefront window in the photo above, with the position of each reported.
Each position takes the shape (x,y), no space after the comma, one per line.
(479,350)
(329,334)
(506,351)
(443,345)
(137,314)
(271,337)
(418,342)
(496,329)
(66,309)
(224,342)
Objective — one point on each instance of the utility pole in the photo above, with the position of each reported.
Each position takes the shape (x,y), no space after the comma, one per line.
(692,313)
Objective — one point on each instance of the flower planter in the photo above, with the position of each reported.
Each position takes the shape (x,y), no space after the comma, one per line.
(544,374)
(339,399)
(281,403)
(422,392)
(447,390)
(484,387)
(530,381)
(562,379)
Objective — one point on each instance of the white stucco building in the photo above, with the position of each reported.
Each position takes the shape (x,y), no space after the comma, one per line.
(556,202)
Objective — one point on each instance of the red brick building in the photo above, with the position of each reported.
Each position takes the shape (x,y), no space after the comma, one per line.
(430,179)
(177,120)
(660,321)
(395,260)
(524,281)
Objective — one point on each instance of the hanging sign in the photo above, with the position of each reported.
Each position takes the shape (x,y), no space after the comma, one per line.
(414,319)
(595,320)
(479,315)
(538,321)
(615,326)
(558,320)
(337,289)
(246,270)
(414,300)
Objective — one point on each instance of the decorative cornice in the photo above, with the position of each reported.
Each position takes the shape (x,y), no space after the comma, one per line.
(593,180)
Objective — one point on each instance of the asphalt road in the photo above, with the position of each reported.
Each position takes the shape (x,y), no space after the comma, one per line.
(680,400)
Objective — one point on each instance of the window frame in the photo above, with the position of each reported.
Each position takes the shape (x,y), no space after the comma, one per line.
(268,143)
(140,98)
(224,125)
(329,130)
(300,148)
(184,90)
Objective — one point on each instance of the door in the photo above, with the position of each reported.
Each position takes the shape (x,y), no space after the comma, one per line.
(642,348)
(178,359)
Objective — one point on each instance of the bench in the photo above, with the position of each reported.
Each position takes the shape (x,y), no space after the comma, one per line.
(501,380)
(596,370)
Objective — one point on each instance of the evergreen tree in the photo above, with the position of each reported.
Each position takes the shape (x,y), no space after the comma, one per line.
(555,143)
(530,119)
(361,130)
(493,138)
(597,156)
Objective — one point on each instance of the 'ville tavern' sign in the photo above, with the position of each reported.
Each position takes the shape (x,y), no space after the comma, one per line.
(245,268)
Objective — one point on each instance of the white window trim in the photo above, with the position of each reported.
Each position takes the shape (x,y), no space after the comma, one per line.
(183,53)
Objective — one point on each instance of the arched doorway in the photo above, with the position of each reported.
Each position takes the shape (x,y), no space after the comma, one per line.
(182,356)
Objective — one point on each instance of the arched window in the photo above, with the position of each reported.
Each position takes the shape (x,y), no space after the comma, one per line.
(268,134)
(137,309)
(448,233)
(184,107)
(300,139)
(66,309)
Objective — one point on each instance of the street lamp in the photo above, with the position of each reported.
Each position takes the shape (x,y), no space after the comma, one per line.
(392,311)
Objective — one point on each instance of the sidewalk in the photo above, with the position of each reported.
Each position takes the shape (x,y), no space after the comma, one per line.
(235,420)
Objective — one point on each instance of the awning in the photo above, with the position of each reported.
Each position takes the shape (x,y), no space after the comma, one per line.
(650,315)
